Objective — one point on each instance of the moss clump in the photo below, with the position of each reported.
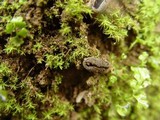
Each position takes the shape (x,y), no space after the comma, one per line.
(43,45)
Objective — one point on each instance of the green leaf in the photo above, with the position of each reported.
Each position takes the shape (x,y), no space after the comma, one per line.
(142,77)
(23,32)
(140,73)
(142,100)
(17,19)
(9,28)
(16,41)
(154,61)
(123,110)
(143,56)
(15,23)
(18,22)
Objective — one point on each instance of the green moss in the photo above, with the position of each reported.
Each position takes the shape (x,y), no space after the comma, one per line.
(42,48)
